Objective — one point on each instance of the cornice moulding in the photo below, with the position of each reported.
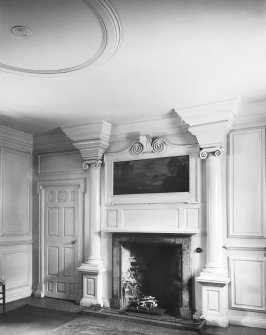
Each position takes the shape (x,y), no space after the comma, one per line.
(92,150)
(153,127)
(251,115)
(91,139)
(16,139)
(210,123)
(212,134)
(210,113)
(89,131)
(52,143)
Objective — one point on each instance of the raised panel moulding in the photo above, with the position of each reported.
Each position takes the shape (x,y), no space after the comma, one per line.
(210,122)
(91,139)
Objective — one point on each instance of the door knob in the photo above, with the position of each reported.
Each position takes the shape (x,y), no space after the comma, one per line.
(73,242)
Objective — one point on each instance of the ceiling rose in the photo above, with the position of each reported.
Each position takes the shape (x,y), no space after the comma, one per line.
(68,36)
(21,31)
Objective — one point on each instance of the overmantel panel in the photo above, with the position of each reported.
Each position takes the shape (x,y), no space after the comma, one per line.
(154,149)
(170,212)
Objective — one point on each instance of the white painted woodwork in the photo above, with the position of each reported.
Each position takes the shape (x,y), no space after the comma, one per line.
(93,267)
(153,218)
(59,162)
(15,209)
(214,215)
(214,304)
(94,249)
(248,282)
(61,241)
(210,122)
(246,225)
(252,115)
(15,139)
(123,134)
(16,269)
(16,192)
(91,139)
(214,278)
(171,150)
(247,183)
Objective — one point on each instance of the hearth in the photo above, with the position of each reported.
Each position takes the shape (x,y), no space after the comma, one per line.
(152,274)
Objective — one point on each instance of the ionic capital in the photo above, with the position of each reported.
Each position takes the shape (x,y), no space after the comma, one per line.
(92,164)
(214,151)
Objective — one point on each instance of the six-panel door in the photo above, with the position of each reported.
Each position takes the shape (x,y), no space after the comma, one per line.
(61,216)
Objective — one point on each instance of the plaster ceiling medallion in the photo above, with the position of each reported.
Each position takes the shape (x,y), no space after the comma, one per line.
(69,35)
(21,31)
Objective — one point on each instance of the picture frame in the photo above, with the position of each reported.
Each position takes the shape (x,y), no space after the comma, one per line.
(152,178)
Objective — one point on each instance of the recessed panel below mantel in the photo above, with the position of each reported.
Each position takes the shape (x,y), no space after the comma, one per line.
(177,219)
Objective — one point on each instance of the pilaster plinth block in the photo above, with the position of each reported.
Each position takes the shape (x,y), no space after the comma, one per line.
(92,284)
(214,299)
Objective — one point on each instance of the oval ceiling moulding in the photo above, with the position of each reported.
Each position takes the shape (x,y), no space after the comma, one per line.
(111,38)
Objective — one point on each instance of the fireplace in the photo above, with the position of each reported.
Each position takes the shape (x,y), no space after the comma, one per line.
(152,269)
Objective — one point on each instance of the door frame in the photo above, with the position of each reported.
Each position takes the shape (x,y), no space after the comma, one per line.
(41,186)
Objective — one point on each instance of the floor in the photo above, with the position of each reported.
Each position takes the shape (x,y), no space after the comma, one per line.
(69,306)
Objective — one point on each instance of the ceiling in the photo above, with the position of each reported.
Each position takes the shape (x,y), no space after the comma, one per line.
(65,62)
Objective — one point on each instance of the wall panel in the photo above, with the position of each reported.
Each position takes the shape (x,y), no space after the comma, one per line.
(59,162)
(247,283)
(16,269)
(246,184)
(16,178)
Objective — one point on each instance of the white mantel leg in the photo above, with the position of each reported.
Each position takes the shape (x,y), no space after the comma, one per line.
(214,279)
(93,268)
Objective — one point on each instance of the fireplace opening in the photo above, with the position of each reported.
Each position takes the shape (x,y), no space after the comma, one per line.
(151,277)
(152,274)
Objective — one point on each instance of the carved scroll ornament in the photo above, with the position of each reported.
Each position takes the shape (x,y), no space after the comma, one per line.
(216,151)
(147,144)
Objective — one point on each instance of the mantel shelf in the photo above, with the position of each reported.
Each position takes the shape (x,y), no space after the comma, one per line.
(146,231)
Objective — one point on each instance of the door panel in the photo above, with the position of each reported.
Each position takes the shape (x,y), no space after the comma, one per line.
(61,223)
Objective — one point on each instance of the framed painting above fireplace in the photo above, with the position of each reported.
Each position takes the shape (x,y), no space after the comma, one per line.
(151,178)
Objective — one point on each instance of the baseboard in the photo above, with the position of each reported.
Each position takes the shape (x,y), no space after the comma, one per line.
(18,293)
(247,322)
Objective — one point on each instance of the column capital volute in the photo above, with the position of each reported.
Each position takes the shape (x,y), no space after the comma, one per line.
(96,164)
(212,151)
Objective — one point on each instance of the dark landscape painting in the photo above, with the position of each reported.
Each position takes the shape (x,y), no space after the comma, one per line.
(156,175)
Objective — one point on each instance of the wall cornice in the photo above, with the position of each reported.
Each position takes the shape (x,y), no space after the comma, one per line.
(91,139)
(252,114)
(154,127)
(211,122)
(15,139)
